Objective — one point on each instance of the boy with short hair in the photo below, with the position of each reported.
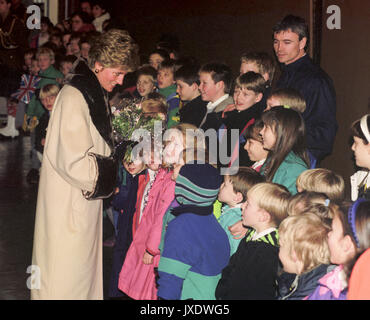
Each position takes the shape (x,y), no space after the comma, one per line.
(167,87)
(260,62)
(249,91)
(215,84)
(304,253)
(324,181)
(252,270)
(48,94)
(194,108)
(233,194)
(49,75)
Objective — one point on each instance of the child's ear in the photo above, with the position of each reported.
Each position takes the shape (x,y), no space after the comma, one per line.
(264,216)
(348,245)
(194,86)
(259,97)
(220,85)
(298,263)
(239,197)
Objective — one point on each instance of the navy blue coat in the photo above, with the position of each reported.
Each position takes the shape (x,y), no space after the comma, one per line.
(318,90)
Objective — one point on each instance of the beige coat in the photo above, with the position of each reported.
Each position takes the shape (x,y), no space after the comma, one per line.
(68,229)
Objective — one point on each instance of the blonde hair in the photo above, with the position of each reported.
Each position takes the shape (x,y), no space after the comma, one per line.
(49,90)
(302,201)
(306,235)
(47,52)
(324,181)
(152,107)
(290,97)
(273,198)
(114,49)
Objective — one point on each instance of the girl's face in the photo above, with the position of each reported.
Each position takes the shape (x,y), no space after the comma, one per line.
(34,69)
(268,137)
(145,85)
(361,153)
(255,150)
(341,247)
(134,167)
(165,78)
(97,11)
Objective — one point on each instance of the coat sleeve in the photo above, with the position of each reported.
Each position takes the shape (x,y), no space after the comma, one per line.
(71,148)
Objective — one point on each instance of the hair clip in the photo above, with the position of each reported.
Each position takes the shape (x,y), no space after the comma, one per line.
(327,202)
(352,218)
(364,128)
(286,106)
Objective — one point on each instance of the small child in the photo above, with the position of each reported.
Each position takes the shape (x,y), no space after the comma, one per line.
(123,204)
(187,82)
(304,253)
(196,248)
(66,64)
(260,62)
(48,95)
(252,270)
(27,58)
(287,97)
(157,56)
(303,201)
(233,194)
(167,88)
(360,181)
(284,136)
(146,79)
(249,89)
(322,180)
(254,145)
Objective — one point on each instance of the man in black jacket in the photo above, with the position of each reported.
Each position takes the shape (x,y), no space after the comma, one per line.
(299,72)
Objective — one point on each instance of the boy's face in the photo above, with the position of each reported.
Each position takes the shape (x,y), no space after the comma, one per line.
(272,102)
(247,66)
(227,194)
(145,85)
(165,78)
(66,67)
(85,48)
(255,150)
(245,98)
(75,49)
(209,90)
(44,61)
(34,69)
(134,167)
(28,60)
(186,92)
(250,212)
(48,102)
(155,60)
(289,264)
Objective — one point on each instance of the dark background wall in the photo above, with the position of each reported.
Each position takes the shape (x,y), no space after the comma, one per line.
(223,30)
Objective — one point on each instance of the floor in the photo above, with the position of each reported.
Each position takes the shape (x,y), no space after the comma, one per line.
(17,214)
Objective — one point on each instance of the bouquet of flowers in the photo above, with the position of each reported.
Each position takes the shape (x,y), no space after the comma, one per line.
(128,117)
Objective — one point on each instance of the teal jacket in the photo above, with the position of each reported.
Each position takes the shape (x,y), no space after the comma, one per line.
(35,107)
(288,172)
(228,217)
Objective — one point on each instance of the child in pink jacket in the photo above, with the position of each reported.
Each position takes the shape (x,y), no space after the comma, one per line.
(137,277)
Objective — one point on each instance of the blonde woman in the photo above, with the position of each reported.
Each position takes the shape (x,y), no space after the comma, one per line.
(78,170)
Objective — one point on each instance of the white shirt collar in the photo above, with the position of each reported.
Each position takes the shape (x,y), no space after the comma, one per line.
(262,233)
(212,105)
(258,163)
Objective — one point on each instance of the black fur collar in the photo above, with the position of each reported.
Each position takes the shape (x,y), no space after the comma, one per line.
(97,99)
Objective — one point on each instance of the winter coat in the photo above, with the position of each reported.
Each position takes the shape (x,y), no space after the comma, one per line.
(76,165)
(318,91)
(137,279)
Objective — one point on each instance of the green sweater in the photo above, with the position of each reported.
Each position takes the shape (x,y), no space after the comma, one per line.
(35,107)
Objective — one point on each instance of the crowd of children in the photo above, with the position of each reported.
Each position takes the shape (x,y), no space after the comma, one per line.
(282,229)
